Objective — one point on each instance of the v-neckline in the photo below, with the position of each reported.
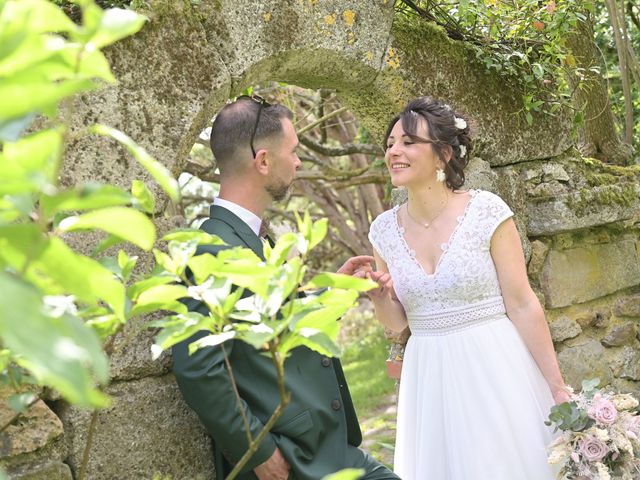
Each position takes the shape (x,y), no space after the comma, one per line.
(445,247)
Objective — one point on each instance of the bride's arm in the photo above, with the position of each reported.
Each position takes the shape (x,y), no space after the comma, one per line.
(389,310)
(523,307)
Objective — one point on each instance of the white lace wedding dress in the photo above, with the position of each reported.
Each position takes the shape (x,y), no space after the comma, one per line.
(472,400)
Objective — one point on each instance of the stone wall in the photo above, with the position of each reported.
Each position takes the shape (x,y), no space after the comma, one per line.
(578,218)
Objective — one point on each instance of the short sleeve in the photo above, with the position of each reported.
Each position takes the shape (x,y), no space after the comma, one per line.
(374,238)
(497,211)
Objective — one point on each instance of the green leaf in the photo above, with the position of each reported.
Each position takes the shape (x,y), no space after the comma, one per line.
(211,341)
(31,163)
(143,196)
(88,196)
(126,263)
(176,328)
(137,288)
(346,474)
(57,269)
(126,223)
(110,241)
(311,338)
(160,297)
(337,280)
(318,232)
(191,234)
(115,24)
(180,253)
(21,401)
(166,262)
(158,171)
(256,334)
(43,16)
(278,254)
(40,96)
(529,118)
(60,352)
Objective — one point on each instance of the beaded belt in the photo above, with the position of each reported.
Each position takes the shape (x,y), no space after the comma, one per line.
(456,319)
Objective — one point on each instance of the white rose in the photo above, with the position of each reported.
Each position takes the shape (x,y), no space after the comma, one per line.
(463,151)
(624,401)
(460,123)
(601,434)
(603,472)
(557,455)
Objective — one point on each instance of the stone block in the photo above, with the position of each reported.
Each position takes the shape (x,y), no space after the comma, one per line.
(598,319)
(628,306)
(590,207)
(50,471)
(620,335)
(147,430)
(33,442)
(131,357)
(564,328)
(627,363)
(585,273)
(35,433)
(583,362)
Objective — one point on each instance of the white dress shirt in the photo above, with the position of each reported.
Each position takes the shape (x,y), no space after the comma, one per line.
(245,215)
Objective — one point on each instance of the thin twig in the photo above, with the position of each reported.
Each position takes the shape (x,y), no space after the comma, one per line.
(85,454)
(321,120)
(245,420)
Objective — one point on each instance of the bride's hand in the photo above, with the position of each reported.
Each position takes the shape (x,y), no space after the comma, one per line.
(561,395)
(385,286)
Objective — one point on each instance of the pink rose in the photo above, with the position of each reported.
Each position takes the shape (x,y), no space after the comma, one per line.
(592,449)
(633,425)
(603,411)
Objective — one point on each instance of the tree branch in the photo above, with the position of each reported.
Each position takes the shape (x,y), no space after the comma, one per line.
(346,149)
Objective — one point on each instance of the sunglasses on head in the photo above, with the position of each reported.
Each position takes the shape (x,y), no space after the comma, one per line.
(262,103)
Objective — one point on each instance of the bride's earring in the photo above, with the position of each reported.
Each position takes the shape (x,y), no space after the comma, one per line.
(440,175)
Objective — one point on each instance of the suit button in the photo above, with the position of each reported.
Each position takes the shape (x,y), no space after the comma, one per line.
(335,404)
(326,361)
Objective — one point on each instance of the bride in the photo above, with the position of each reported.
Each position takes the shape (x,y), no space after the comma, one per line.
(479,373)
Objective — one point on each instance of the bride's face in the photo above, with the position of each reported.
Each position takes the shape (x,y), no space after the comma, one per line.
(410,162)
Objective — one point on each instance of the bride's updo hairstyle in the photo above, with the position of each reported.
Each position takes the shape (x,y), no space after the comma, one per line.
(448,130)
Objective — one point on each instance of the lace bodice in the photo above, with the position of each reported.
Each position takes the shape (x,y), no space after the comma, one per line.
(465,276)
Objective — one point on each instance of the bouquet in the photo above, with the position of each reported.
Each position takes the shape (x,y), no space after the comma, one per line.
(601,435)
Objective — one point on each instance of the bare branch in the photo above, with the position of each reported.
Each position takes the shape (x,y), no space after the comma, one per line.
(346,149)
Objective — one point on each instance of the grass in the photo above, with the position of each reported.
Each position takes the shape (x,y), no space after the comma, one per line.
(364,352)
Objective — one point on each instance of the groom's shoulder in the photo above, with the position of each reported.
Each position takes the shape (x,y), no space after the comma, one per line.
(227,233)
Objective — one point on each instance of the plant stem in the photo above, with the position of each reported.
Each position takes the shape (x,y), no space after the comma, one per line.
(285,397)
(87,447)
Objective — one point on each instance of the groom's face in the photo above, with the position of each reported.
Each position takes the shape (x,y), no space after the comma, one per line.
(284,162)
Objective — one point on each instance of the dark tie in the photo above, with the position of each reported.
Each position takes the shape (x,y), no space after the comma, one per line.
(265,232)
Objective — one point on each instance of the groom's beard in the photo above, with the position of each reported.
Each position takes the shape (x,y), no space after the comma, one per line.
(278,190)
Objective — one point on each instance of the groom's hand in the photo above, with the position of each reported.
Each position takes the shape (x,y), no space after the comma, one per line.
(358,266)
(276,468)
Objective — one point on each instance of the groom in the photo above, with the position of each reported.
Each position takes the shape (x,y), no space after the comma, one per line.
(254,144)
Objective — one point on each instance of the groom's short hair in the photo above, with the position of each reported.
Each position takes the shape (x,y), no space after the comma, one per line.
(233,125)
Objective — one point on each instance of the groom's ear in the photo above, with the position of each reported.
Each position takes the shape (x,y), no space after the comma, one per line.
(262,161)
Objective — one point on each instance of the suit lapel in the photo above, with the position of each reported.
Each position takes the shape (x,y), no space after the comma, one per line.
(243,230)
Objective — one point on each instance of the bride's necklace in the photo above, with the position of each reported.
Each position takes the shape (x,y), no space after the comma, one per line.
(430,222)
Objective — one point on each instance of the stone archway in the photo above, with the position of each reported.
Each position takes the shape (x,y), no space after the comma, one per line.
(185,64)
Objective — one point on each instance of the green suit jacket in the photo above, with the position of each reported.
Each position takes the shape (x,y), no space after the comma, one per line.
(315,427)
